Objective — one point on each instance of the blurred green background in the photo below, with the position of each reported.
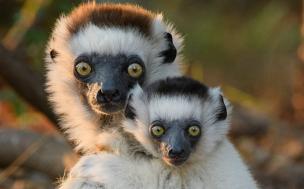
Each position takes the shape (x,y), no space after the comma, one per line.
(247,47)
(252,49)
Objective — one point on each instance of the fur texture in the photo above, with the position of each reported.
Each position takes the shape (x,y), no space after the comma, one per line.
(215,164)
(223,169)
(118,15)
(104,29)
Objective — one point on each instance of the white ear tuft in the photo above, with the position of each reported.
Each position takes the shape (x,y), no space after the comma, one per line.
(215,92)
(158,26)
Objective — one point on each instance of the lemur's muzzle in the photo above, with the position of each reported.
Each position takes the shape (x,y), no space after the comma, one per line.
(177,149)
(108,96)
(112,96)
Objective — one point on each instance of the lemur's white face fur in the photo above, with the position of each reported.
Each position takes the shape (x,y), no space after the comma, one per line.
(96,54)
(178,119)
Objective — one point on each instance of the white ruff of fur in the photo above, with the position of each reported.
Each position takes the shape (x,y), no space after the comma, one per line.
(179,108)
(80,123)
(223,169)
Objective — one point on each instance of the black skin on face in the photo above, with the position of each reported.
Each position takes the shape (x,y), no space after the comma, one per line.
(177,142)
(111,73)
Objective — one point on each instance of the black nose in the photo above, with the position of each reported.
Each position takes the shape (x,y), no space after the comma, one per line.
(176,153)
(108,95)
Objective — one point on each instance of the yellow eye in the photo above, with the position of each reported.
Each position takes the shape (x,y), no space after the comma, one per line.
(157,131)
(135,70)
(83,69)
(194,131)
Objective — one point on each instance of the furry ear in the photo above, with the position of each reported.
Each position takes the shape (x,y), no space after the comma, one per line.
(170,53)
(129,111)
(221,111)
(133,102)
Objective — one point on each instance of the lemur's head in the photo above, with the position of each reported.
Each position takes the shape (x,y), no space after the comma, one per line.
(99,52)
(177,119)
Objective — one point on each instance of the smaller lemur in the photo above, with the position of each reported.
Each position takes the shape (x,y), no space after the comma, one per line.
(182,126)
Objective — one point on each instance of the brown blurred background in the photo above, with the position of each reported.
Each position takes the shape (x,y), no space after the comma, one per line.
(253,49)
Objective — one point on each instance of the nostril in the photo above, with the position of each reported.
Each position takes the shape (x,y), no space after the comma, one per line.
(116,95)
(173,153)
(108,95)
(100,97)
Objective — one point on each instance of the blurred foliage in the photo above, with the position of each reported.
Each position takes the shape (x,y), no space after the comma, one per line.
(249,48)
(17,104)
(249,45)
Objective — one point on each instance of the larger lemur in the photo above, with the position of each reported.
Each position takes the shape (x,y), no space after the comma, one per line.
(95,55)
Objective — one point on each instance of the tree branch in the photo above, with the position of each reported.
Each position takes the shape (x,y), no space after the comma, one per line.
(48,154)
(27,83)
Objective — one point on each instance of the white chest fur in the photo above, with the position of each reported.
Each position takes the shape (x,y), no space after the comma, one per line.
(224,169)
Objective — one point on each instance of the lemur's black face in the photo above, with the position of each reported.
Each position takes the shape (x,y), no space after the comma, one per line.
(176,139)
(108,79)
(177,119)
